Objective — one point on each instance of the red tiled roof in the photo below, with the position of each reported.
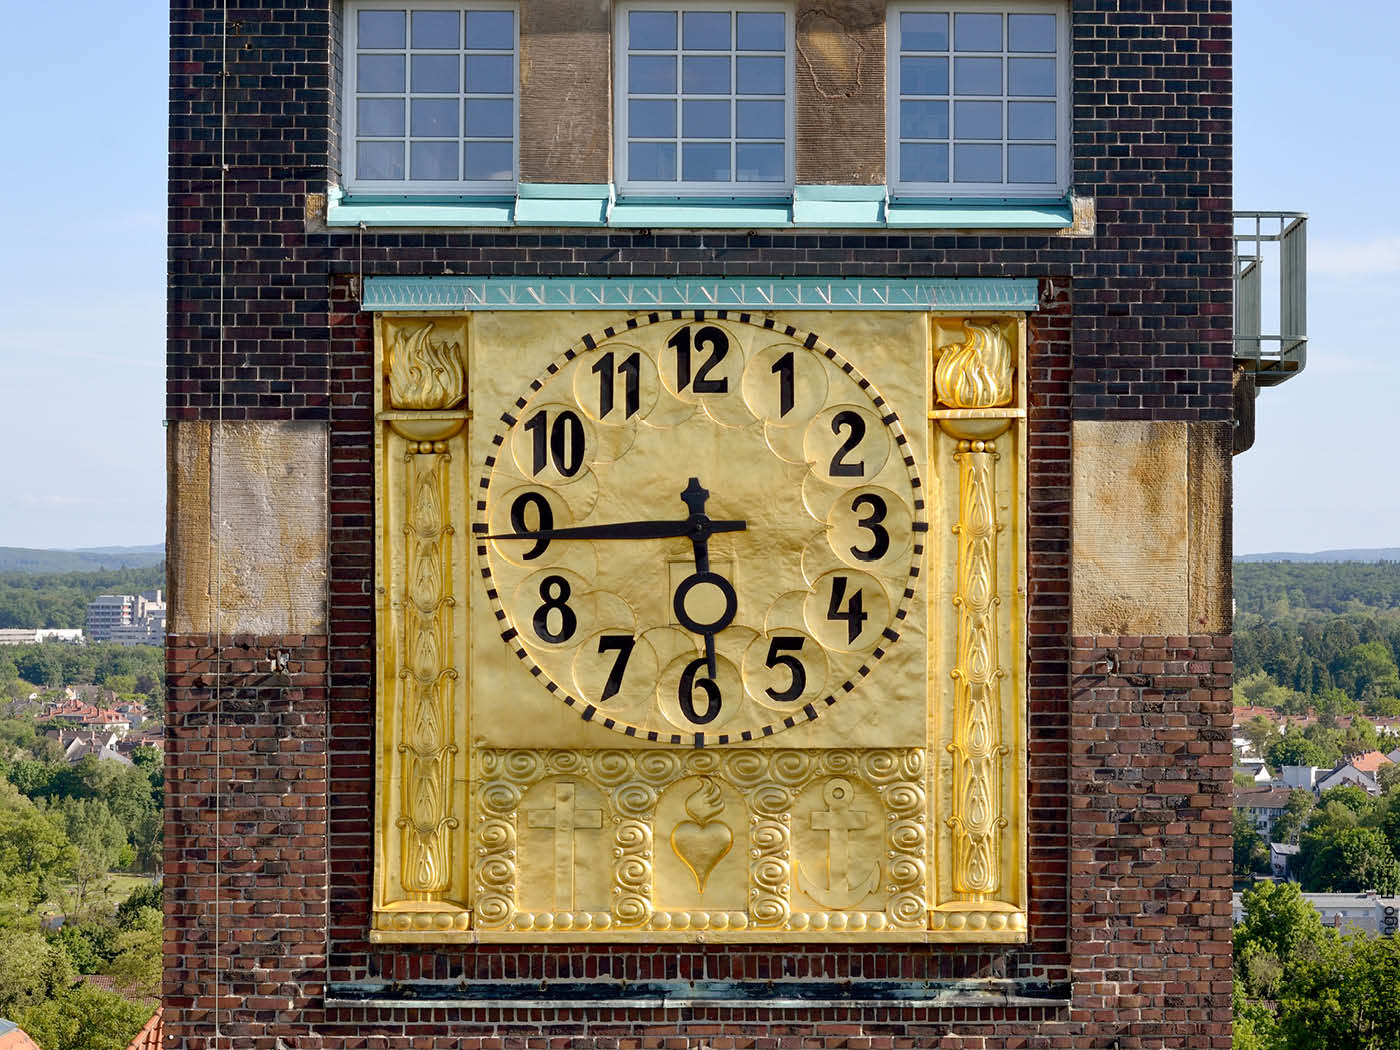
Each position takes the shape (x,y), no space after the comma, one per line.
(1369,762)
(149,1038)
(15,1038)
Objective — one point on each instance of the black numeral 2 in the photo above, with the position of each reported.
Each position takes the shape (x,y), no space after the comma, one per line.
(852,422)
(710,338)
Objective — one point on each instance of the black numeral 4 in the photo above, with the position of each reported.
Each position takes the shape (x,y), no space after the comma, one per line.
(854,611)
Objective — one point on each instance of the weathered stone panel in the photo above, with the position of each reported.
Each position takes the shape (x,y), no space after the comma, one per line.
(246,527)
(1131,539)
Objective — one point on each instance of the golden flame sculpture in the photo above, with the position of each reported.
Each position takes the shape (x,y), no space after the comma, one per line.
(424,373)
(976,373)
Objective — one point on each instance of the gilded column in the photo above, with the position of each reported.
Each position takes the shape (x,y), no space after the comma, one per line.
(974,383)
(420,891)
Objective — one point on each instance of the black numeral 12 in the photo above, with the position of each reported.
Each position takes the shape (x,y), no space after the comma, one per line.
(631,369)
(717,343)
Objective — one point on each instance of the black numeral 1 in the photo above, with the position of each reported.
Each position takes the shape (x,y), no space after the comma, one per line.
(854,613)
(783,369)
(622,644)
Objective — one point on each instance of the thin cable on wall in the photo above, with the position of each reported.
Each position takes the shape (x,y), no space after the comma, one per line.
(216,548)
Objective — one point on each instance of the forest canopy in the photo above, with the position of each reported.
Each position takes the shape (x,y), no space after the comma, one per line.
(59,599)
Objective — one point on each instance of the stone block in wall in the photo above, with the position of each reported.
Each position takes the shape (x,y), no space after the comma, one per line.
(841,92)
(246,527)
(565,94)
(1151,526)
(1210,588)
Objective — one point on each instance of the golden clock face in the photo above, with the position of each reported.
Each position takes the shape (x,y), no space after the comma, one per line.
(701,528)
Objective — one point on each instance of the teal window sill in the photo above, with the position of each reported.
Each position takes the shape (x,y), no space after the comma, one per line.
(596,206)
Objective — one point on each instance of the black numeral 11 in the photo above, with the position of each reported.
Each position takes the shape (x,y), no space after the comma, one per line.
(631,369)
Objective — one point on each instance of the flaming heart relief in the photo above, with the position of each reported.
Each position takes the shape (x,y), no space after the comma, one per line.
(702,841)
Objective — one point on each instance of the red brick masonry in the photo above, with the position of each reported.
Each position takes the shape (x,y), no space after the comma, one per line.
(1148,959)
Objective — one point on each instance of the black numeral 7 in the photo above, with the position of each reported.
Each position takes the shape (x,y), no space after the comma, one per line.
(622,644)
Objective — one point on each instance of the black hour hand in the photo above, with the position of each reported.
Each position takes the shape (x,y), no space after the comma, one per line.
(623,530)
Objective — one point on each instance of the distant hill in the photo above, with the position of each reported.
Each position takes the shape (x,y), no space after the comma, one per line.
(92,559)
(1355,554)
(1277,590)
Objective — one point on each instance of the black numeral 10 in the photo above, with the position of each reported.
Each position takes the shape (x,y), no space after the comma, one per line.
(561,443)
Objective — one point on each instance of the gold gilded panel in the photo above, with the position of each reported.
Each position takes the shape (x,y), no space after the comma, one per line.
(700,626)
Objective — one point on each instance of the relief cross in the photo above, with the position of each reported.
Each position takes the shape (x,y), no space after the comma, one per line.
(565,818)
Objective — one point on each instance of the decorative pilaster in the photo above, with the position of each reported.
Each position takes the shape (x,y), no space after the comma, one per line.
(983,737)
(421,856)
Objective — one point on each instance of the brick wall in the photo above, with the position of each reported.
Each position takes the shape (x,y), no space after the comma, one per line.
(1128,849)
(1151,288)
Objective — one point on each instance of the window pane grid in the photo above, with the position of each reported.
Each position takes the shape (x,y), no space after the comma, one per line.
(707,96)
(438,103)
(977,101)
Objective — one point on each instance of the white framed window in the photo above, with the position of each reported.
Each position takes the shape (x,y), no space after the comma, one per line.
(978,99)
(431,101)
(704,98)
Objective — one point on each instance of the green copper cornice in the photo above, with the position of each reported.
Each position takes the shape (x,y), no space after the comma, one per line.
(971,294)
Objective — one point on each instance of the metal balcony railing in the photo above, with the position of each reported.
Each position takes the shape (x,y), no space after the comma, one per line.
(1278,240)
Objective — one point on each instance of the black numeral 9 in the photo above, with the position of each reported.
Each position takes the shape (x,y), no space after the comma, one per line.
(545,522)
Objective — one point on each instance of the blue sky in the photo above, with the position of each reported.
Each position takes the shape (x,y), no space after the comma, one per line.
(82,280)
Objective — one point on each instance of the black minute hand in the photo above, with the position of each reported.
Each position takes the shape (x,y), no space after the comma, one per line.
(629,530)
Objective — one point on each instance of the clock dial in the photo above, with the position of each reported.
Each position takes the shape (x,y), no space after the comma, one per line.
(701,528)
